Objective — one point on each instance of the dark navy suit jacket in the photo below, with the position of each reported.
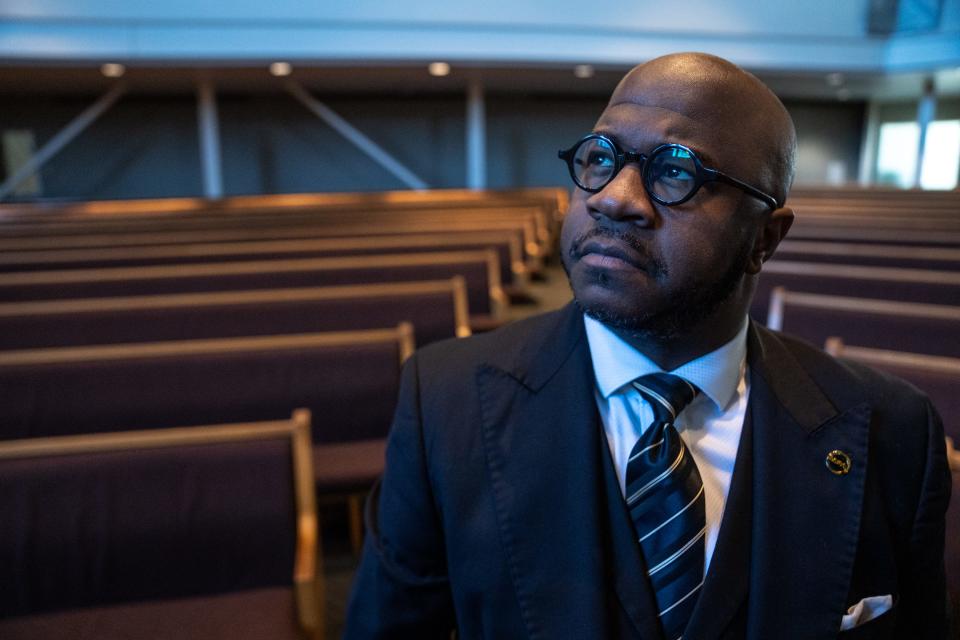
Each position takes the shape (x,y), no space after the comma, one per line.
(499,512)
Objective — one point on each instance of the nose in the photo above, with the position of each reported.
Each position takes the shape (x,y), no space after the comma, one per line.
(624,198)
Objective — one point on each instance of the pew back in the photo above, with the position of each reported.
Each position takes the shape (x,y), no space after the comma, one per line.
(480,269)
(436,309)
(882,283)
(100,520)
(937,376)
(507,244)
(865,254)
(350,378)
(899,326)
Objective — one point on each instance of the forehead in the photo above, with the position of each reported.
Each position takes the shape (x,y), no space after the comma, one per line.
(701,115)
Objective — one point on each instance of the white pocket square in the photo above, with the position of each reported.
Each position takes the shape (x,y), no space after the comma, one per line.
(865,611)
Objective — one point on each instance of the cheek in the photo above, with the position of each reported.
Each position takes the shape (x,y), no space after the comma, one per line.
(575,223)
(706,256)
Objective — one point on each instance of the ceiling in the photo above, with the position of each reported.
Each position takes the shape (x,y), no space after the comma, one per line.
(413,79)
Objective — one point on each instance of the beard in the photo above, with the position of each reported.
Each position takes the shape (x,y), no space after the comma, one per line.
(684,310)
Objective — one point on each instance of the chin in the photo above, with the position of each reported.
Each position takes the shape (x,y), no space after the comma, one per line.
(640,324)
(648,307)
(622,309)
(661,316)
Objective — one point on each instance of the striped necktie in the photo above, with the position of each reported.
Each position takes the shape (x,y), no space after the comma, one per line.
(664,494)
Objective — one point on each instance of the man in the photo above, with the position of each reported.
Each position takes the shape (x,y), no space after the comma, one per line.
(549,481)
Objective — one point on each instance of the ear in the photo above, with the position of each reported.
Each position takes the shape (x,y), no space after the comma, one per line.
(774,228)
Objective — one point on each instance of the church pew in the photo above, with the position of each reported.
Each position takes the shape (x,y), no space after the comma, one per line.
(888,206)
(856,191)
(201,532)
(552,200)
(867,233)
(480,269)
(881,255)
(550,204)
(144,224)
(436,309)
(507,244)
(881,199)
(900,326)
(882,283)
(830,214)
(937,376)
(348,378)
(533,250)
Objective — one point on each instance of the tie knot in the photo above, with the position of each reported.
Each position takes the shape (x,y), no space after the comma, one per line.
(667,394)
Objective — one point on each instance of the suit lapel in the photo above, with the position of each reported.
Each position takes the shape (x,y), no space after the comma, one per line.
(547,459)
(726,584)
(790,527)
(806,520)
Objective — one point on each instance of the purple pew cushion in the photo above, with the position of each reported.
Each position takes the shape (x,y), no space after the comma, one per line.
(348,465)
(897,333)
(113,527)
(475,273)
(350,389)
(247,615)
(933,293)
(432,315)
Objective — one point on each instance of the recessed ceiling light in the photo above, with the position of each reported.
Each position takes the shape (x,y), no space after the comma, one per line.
(280,69)
(438,69)
(834,79)
(583,71)
(113,70)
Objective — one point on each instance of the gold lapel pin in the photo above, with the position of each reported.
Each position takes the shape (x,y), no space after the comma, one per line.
(838,462)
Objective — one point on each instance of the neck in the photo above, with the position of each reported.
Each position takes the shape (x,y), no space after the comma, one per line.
(668,354)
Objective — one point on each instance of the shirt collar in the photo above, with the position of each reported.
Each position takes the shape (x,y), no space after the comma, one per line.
(616,364)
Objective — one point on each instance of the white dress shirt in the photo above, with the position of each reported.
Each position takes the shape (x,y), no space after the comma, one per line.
(710,426)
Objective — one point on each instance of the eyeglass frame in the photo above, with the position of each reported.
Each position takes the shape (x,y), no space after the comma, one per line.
(703,175)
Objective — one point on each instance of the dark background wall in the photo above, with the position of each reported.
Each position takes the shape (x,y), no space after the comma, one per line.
(146,145)
(829,136)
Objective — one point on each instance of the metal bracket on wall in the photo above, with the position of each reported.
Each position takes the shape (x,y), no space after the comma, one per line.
(476,137)
(208,128)
(62,138)
(354,135)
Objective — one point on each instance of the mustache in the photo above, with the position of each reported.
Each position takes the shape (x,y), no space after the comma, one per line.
(646,260)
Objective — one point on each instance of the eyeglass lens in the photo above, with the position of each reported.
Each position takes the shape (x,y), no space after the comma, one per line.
(594,163)
(670,174)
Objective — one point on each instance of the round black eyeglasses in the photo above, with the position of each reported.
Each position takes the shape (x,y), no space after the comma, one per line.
(672,173)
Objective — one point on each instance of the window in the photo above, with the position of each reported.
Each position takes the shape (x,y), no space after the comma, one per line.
(897,154)
(941,155)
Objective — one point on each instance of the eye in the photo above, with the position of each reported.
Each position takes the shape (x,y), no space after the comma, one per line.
(672,165)
(595,159)
(676,172)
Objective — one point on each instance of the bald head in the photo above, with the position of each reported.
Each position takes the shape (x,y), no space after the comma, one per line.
(724,98)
